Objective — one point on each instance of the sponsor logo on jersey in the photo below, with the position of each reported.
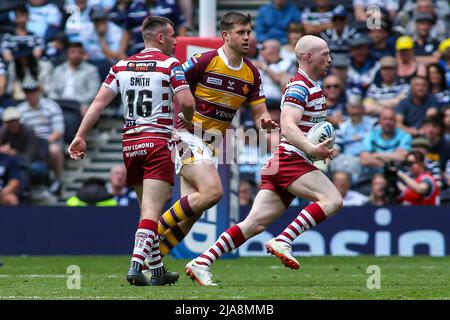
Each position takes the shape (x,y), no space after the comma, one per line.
(230,85)
(317,120)
(215,81)
(178,73)
(141,66)
(245,89)
(187,65)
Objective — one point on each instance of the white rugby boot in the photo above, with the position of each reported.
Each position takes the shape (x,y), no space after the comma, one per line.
(200,274)
(282,251)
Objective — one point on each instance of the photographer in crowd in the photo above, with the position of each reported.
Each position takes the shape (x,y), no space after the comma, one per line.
(420,188)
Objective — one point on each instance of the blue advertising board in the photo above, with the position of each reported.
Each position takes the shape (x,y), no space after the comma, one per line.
(403,231)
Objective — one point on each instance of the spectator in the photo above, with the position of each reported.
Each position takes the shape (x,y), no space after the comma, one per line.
(4,97)
(45,18)
(412,110)
(341,180)
(385,143)
(339,35)
(378,195)
(439,150)
(361,13)
(318,18)
(389,92)
(334,92)
(75,79)
(273,20)
(438,30)
(92,193)
(363,66)
(421,188)
(444,50)
(28,69)
(78,25)
(102,42)
(438,84)
(446,122)
(21,39)
(19,140)
(9,180)
(253,47)
(442,7)
(118,13)
(350,136)
(273,70)
(381,43)
(339,68)
(137,12)
(187,9)
(45,117)
(295,32)
(118,188)
(245,193)
(425,47)
(423,145)
(55,50)
(408,66)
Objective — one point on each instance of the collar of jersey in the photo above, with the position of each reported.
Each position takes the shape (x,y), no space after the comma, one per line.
(307,77)
(150,49)
(225,60)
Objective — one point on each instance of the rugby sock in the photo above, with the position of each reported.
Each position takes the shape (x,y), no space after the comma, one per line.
(179,211)
(308,218)
(170,239)
(143,242)
(228,240)
(155,261)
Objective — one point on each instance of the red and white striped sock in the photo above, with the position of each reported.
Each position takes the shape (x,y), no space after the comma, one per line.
(308,218)
(155,260)
(230,239)
(143,242)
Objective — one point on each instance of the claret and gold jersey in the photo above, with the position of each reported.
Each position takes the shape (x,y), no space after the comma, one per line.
(220,89)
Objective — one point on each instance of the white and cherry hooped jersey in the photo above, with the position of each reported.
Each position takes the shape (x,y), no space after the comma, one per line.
(147,82)
(306,94)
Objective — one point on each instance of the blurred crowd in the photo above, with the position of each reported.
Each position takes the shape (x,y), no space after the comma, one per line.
(387,90)
(53,57)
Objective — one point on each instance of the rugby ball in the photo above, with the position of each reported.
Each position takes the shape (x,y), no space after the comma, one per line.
(321,132)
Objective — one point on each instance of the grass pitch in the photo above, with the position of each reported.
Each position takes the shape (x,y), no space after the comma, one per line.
(103,277)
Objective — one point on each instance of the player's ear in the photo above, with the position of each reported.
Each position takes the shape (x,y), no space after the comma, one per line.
(224,35)
(160,37)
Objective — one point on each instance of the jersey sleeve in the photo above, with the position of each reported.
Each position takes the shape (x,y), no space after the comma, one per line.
(177,77)
(194,67)
(111,81)
(296,96)
(256,94)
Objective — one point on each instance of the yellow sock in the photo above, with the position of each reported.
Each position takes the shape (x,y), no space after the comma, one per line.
(180,211)
(170,239)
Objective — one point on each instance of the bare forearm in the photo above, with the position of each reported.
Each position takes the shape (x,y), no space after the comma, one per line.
(412,184)
(296,137)
(258,117)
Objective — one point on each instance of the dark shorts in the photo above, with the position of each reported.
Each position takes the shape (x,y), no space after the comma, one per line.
(147,157)
(282,169)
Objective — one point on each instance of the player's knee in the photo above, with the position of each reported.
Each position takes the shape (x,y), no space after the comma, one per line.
(336,202)
(214,194)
